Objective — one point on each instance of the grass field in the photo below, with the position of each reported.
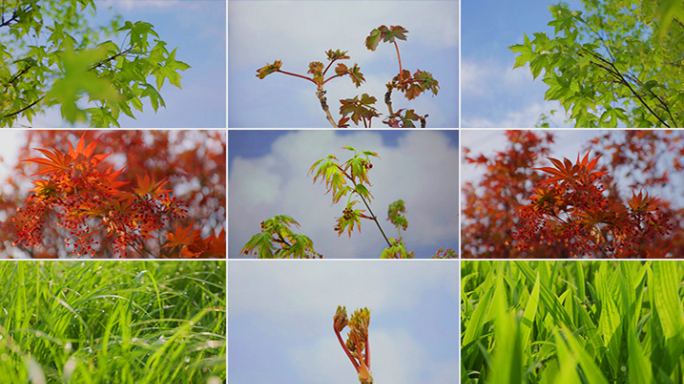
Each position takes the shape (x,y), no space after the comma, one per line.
(591,322)
(112,322)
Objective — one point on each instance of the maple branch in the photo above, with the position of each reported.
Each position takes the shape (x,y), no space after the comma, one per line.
(376,220)
(103,62)
(25,108)
(332,77)
(324,104)
(388,98)
(296,75)
(17,75)
(328,67)
(399,58)
(622,80)
(6,23)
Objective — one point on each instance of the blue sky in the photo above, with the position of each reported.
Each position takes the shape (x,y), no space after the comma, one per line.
(259,33)
(281,315)
(268,177)
(493,95)
(198,29)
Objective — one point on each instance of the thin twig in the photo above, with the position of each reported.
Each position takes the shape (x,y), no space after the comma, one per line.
(376,221)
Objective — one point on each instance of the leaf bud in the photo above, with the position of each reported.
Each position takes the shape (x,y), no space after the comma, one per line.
(340,319)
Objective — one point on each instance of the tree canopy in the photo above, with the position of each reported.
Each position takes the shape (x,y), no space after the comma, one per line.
(620,199)
(51,54)
(116,194)
(616,63)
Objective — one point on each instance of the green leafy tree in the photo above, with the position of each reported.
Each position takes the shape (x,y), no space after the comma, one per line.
(51,55)
(617,63)
(361,109)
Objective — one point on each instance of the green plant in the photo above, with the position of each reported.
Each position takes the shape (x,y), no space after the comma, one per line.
(357,347)
(590,322)
(51,55)
(361,109)
(118,322)
(615,63)
(349,179)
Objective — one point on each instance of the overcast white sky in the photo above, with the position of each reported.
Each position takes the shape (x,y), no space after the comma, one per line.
(281,315)
(420,167)
(298,32)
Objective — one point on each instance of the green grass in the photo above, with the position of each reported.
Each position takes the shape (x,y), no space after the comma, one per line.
(112,322)
(567,322)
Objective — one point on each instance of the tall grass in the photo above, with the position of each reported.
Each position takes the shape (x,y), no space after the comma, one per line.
(112,322)
(592,322)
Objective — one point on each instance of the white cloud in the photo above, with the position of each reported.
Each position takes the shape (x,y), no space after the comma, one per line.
(260,31)
(422,170)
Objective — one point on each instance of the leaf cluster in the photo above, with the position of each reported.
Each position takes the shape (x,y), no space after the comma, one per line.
(277,240)
(571,206)
(357,346)
(69,64)
(82,202)
(615,64)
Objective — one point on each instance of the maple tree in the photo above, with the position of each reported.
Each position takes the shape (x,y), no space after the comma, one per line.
(349,179)
(614,63)
(357,346)
(117,194)
(575,209)
(51,55)
(361,108)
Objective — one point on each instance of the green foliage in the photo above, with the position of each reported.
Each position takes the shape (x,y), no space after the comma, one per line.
(617,63)
(337,178)
(118,322)
(50,55)
(572,322)
(277,236)
(394,215)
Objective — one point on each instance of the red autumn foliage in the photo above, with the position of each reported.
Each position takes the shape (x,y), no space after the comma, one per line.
(116,194)
(586,208)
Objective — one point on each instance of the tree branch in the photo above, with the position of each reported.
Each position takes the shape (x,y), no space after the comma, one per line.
(324,104)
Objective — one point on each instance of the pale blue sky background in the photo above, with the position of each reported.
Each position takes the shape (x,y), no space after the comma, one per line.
(268,177)
(298,32)
(198,29)
(493,95)
(281,315)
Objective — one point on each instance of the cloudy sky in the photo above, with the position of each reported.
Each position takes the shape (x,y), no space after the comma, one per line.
(261,32)
(268,177)
(281,314)
(198,29)
(493,94)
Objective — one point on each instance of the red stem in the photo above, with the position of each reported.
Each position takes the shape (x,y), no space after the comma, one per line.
(332,77)
(346,350)
(368,361)
(296,75)
(399,58)
(328,67)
